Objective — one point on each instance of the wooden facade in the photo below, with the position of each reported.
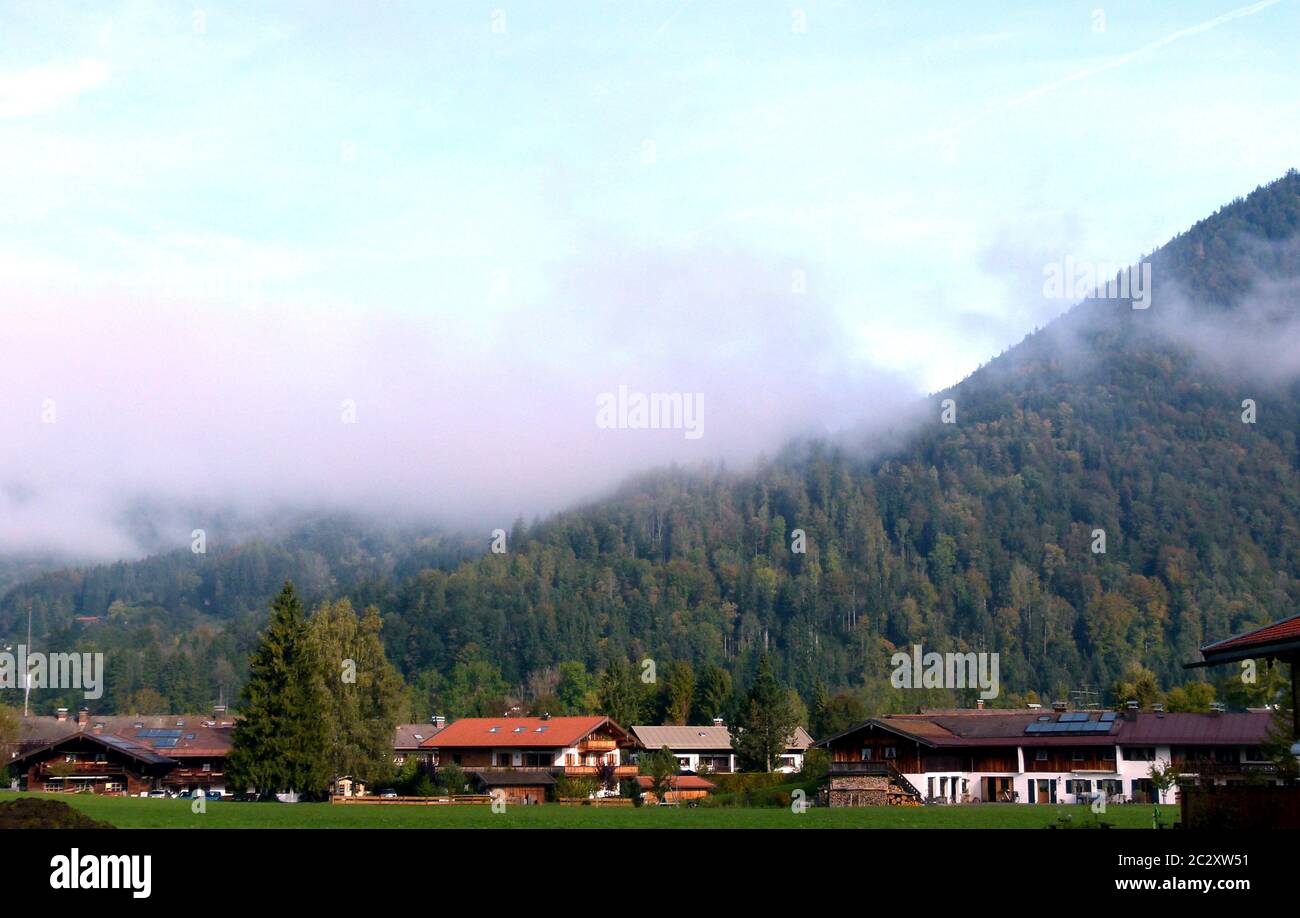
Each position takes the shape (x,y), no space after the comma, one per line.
(86,762)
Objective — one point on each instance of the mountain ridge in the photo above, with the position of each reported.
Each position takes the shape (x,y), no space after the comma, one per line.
(972,535)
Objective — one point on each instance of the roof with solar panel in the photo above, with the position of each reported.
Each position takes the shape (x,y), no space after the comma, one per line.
(1003,728)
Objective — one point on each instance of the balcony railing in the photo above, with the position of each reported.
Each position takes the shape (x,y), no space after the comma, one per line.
(620,771)
(79,768)
(598,744)
(862,768)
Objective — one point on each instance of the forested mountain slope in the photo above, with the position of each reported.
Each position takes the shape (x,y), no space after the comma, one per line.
(972,535)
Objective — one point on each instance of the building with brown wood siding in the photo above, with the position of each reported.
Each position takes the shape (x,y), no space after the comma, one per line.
(1038,756)
(99,763)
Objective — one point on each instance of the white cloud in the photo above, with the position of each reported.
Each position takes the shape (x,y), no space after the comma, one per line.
(42,89)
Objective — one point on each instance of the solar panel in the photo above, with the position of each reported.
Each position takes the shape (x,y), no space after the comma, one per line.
(1108,717)
(165,742)
(153,733)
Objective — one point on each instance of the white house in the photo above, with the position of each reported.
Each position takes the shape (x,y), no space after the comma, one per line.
(1037,756)
(708,747)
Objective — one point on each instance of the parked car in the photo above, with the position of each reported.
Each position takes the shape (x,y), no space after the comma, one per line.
(388,793)
(159,793)
(212,795)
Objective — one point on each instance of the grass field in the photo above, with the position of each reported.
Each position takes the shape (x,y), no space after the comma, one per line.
(143,813)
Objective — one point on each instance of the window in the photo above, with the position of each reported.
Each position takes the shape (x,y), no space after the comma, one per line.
(1076,755)
(1040,755)
(207,766)
(520,729)
(1140,753)
(891,752)
(866,753)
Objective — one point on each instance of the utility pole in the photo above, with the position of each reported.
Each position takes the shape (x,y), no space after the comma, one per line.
(27,672)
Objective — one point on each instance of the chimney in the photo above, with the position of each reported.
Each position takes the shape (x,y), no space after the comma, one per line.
(979,705)
(438,721)
(546,716)
(218,712)
(61,715)
(1131,710)
(1217,707)
(1159,709)
(719,722)
(98,727)
(1060,706)
(83,717)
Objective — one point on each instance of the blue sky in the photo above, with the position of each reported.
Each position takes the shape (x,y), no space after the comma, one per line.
(568,196)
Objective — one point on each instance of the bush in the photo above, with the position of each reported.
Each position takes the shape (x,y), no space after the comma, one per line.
(575,787)
(816,765)
(451,778)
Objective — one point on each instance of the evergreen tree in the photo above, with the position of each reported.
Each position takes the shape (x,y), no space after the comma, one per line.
(574,688)
(281,741)
(621,696)
(680,691)
(766,723)
(713,694)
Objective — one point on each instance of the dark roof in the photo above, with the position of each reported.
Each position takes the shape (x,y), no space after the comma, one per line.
(507,778)
(120,744)
(182,742)
(960,729)
(1281,637)
(1247,729)
(410,736)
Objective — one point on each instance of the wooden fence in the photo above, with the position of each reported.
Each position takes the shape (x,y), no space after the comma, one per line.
(458,799)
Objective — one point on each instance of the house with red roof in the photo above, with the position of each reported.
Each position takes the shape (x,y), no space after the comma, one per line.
(681,789)
(521,757)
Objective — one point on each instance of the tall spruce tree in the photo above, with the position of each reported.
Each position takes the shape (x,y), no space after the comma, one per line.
(281,741)
(767,721)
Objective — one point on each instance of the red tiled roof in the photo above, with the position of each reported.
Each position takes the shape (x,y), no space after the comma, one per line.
(514,732)
(1286,631)
(677,782)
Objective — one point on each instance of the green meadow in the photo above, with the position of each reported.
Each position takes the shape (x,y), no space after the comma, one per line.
(144,813)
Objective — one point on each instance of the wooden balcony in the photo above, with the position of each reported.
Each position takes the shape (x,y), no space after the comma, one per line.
(620,771)
(74,769)
(862,768)
(598,744)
